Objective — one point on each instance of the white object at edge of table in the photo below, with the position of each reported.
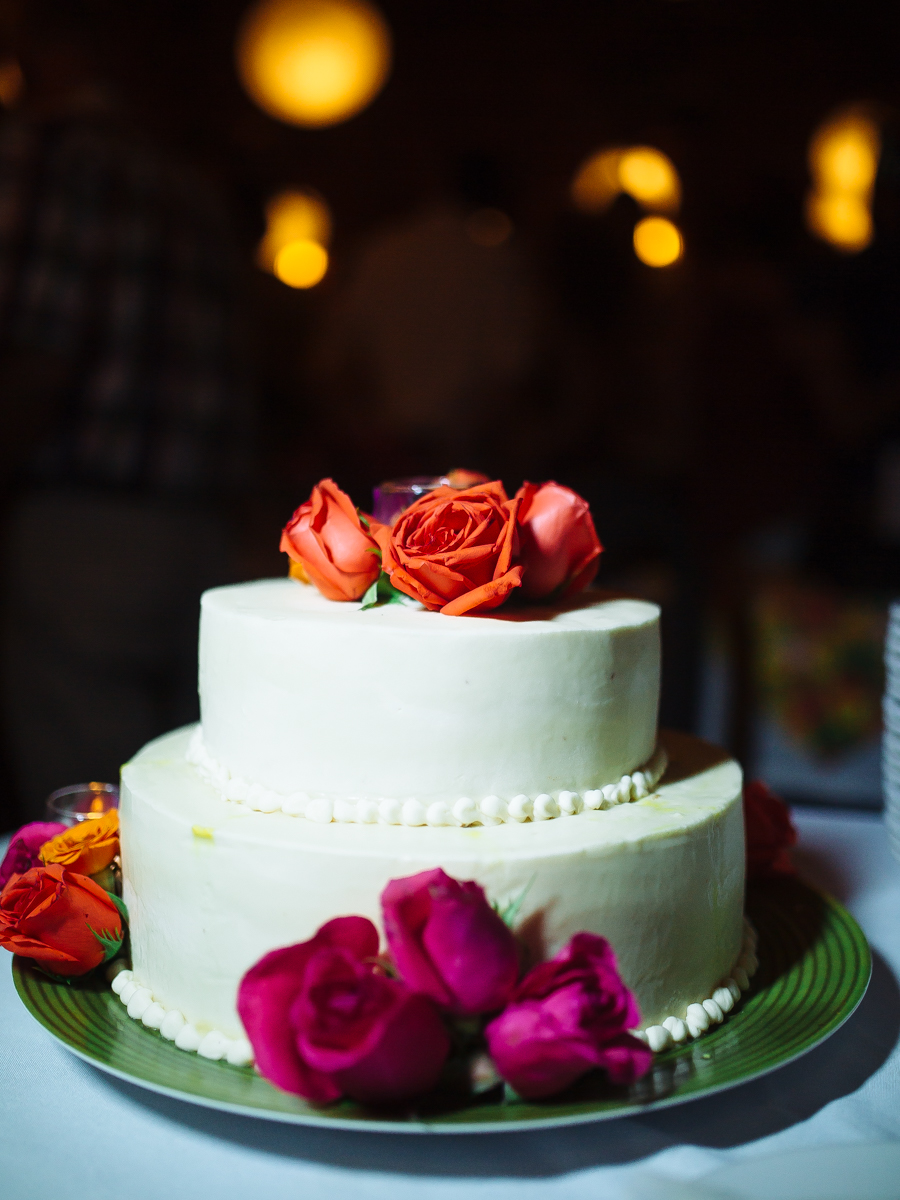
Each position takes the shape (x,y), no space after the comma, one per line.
(66,1128)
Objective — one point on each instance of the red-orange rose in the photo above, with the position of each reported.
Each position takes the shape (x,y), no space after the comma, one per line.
(454,550)
(558,543)
(58,918)
(326,537)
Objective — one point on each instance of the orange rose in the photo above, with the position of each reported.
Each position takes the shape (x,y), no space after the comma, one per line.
(560,548)
(326,537)
(86,848)
(63,921)
(453,550)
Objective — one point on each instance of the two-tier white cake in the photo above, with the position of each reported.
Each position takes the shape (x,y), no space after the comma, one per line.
(340,748)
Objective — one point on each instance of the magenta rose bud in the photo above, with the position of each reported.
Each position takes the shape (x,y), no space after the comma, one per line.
(375,1038)
(448,943)
(558,543)
(24,847)
(566,1017)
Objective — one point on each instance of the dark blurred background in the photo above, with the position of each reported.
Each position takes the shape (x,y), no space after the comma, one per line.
(166,400)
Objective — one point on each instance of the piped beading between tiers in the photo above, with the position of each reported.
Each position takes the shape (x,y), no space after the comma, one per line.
(492,810)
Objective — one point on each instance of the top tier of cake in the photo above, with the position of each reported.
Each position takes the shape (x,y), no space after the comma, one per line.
(300,694)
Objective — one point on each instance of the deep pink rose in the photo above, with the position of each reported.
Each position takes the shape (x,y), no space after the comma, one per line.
(567,1016)
(323,1022)
(448,943)
(374,1037)
(557,541)
(24,845)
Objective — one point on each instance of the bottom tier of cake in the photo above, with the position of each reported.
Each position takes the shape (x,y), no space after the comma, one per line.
(211,886)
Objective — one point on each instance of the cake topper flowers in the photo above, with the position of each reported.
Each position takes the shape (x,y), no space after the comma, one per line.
(329,1017)
(453,550)
(456,550)
(332,543)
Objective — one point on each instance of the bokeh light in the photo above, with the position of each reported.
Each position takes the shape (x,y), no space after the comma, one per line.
(313,62)
(843,220)
(644,173)
(843,160)
(301,264)
(843,154)
(596,183)
(658,242)
(649,176)
(293,216)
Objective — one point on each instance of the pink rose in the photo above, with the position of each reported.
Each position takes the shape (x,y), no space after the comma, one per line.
(448,943)
(566,1017)
(323,1022)
(24,847)
(557,541)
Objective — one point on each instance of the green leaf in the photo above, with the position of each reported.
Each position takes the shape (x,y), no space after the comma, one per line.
(121,906)
(383,591)
(509,914)
(111,942)
(373,550)
(371,597)
(362,520)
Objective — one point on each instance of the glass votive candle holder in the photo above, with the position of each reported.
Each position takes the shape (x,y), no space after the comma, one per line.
(82,802)
(393,496)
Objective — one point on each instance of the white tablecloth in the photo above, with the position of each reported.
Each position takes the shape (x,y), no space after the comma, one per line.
(67,1129)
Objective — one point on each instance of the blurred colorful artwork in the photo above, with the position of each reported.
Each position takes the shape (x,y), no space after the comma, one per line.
(819,666)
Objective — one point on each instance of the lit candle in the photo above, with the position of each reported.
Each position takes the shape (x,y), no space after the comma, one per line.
(82,802)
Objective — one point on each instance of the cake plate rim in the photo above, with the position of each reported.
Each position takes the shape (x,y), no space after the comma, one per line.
(30,983)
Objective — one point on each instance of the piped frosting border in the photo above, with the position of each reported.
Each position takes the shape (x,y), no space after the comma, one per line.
(492,810)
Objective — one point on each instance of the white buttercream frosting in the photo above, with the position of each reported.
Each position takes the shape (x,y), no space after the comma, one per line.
(703,1014)
(492,810)
(212,887)
(309,700)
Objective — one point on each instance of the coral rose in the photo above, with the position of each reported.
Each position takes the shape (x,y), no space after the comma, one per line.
(64,922)
(323,1022)
(24,848)
(566,1017)
(448,943)
(768,830)
(329,541)
(558,543)
(454,550)
(87,847)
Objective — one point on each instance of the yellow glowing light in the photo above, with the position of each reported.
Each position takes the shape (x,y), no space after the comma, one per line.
(843,160)
(843,155)
(301,264)
(293,216)
(596,183)
(657,242)
(313,62)
(844,221)
(650,177)
(644,173)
